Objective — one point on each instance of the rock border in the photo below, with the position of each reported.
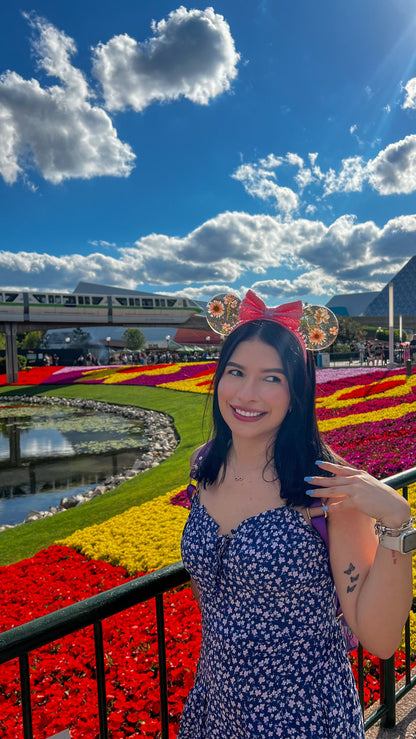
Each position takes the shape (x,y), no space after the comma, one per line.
(160,439)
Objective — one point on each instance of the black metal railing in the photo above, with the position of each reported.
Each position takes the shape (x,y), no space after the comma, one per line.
(20,641)
(389,697)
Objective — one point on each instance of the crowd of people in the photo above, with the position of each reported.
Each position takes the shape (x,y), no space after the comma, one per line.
(144,358)
(373,353)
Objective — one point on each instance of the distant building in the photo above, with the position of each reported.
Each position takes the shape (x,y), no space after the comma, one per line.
(368,306)
(404,288)
(191,336)
(351,304)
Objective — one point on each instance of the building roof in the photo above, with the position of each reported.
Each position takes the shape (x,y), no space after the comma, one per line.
(196,336)
(352,304)
(91,288)
(404,294)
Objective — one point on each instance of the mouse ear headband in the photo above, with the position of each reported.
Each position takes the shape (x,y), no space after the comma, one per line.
(315,326)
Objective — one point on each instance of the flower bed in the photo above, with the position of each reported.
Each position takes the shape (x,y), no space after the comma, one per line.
(185,376)
(143,538)
(63,673)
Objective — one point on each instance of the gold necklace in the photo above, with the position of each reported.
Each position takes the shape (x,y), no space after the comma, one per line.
(239,477)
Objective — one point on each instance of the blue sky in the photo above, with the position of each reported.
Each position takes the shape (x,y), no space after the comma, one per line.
(195,149)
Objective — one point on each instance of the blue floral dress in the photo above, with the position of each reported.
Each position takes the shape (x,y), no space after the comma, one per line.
(273,661)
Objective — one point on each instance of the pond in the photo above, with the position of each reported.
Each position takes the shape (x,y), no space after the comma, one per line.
(51,452)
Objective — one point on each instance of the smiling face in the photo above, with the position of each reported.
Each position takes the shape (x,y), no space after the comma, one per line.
(253,392)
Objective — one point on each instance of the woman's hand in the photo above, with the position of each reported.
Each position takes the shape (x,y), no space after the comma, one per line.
(352,488)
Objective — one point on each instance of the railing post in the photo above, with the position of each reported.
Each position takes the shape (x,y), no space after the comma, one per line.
(26,700)
(161,644)
(100,667)
(388,692)
(360,668)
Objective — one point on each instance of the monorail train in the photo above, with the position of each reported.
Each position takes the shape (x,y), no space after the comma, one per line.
(56,308)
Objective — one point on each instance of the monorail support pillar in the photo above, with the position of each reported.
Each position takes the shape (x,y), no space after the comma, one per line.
(12,367)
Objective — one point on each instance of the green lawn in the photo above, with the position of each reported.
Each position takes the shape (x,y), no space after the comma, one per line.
(187,411)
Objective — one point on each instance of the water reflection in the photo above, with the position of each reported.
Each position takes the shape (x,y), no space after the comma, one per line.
(46,454)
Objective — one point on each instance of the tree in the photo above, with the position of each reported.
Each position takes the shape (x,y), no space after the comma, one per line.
(134,339)
(349,330)
(80,338)
(33,340)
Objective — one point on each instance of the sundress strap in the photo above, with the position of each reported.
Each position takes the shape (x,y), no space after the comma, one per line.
(194,474)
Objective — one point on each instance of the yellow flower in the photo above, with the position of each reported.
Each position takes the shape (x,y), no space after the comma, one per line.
(143,538)
(397,411)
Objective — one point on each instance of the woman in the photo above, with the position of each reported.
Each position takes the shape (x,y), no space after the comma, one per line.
(273,661)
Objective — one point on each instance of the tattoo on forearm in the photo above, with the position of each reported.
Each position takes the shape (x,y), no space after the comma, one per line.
(351,568)
(353,578)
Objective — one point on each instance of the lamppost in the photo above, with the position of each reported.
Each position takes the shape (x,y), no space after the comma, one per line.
(67,342)
(208,339)
(108,339)
(167,341)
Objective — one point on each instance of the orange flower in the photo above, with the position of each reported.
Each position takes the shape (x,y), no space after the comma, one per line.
(316,336)
(321,315)
(215,308)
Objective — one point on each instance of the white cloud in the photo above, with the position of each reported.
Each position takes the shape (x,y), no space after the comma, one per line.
(191,54)
(349,179)
(315,282)
(56,129)
(100,243)
(343,257)
(60,132)
(410,88)
(206,292)
(393,171)
(261,183)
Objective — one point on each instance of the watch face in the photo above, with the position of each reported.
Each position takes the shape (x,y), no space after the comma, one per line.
(409,542)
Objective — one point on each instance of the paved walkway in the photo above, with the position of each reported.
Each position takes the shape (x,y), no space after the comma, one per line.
(405,721)
(405,717)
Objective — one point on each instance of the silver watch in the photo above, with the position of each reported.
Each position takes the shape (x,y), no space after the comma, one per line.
(402,539)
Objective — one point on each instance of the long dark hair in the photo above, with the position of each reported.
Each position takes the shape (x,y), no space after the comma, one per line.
(298,444)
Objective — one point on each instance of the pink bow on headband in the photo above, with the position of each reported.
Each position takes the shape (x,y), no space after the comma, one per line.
(252,308)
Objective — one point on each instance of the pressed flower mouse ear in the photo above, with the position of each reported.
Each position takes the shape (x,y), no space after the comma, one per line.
(315,326)
(318,327)
(222,312)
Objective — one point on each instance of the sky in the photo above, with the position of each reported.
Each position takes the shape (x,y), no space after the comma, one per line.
(264,144)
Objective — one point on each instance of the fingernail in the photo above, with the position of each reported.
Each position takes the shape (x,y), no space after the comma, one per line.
(319,462)
(308,479)
(310,492)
